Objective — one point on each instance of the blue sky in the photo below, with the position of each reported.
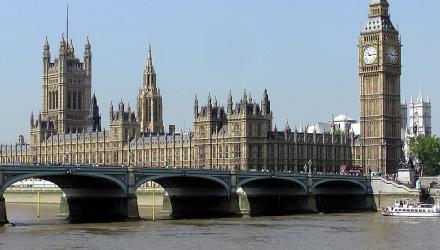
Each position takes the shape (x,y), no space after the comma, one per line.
(303,52)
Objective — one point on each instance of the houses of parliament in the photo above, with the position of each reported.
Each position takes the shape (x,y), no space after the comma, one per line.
(235,136)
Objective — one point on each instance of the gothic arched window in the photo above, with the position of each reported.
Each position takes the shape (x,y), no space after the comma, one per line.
(69,100)
(237,129)
(202,131)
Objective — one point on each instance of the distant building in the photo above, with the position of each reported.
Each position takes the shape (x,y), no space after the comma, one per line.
(419,116)
(419,123)
(340,123)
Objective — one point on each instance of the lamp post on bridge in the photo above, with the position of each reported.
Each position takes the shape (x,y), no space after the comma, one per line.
(309,165)
(232,163)
(130,155)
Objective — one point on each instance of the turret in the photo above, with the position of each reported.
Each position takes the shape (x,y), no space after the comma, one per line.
(63,46)
(287,131)
(196,106)
(265,103)
(111,111)
(32,119)
(229,108)
(39,119)
(94,118)
(244,99)
(71,49)
(121,110)
(46,54)
(88,57)
(209,106)
(129,113)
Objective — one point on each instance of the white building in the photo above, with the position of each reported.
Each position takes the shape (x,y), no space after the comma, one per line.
(341,122)
(419,116)
(419,123)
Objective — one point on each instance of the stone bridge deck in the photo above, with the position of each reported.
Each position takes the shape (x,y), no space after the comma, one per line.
(101,193)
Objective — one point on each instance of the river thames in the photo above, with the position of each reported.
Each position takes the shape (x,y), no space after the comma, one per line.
(319,231)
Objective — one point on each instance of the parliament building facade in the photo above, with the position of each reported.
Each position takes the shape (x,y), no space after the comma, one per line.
(237,136)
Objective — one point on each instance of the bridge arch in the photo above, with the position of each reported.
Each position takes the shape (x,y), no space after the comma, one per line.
(196,195)
(243,183)
(339,183)
(342,195)
(91,195)
(273,195)
(53,176)
(164,180)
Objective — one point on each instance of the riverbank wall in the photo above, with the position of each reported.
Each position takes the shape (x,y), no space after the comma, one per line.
(53,196)
(385,192)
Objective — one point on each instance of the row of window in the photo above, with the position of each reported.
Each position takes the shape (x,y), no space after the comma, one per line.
(53,100)
(417,210)
(74,100)
(237,128)
(77,81)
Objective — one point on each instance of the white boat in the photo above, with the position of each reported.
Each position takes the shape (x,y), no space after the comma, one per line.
(406,208)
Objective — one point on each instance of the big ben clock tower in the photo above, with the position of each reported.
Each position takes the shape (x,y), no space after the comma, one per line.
(379,72)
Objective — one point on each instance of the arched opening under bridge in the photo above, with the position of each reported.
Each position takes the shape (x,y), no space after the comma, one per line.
(274,196)
(342,196)
(89,197)
(191,196)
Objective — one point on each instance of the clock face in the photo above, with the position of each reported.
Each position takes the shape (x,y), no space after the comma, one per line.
(392,55)
(370,55)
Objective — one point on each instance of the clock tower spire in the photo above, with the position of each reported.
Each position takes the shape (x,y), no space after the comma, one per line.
(379,72)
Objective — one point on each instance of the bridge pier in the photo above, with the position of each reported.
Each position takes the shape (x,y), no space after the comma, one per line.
(3,217)
(102,208)
(204,206)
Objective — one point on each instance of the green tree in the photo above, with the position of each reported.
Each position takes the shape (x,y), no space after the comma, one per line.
(426,149)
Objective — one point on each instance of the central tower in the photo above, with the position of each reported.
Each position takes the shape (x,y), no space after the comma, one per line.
(379,72)
(149,103)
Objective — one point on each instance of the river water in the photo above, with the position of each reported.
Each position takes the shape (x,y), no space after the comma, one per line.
(319,231)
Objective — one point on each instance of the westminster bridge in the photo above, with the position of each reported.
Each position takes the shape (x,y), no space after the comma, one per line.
(109,193)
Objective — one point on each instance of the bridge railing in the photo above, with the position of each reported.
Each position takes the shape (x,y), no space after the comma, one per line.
(177,169)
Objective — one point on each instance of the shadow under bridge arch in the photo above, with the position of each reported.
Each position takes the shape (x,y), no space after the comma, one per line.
(342,195)
(89,196)
(267,195)
(195,196)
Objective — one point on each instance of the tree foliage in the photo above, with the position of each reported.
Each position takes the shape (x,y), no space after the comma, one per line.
(426,149)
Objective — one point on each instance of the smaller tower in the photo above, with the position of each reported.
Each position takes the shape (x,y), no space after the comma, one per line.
(229,107)
(124,124)
(149,101)
(196,106)
(94,118)
(419,116)
(46,55)
(265,104)
(88,57)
